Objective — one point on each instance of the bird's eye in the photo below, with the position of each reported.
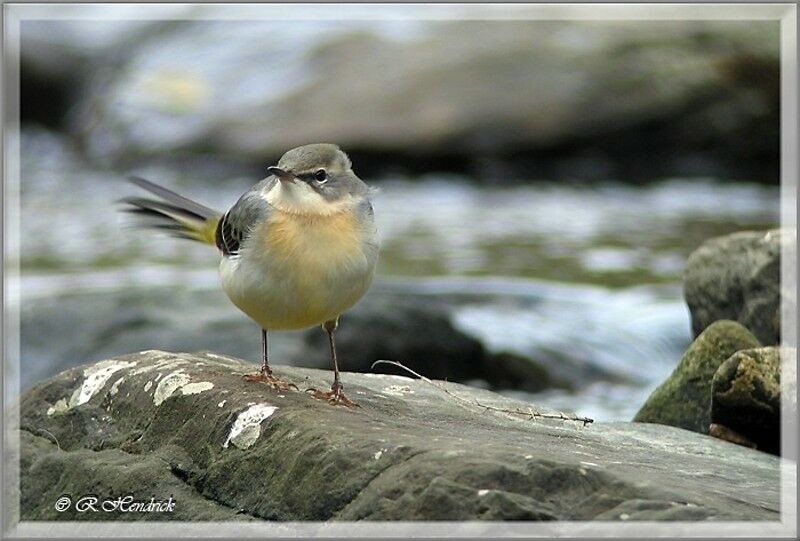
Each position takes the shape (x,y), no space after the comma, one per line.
(321,175)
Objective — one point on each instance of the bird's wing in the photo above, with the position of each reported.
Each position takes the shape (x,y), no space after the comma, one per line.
(237,224)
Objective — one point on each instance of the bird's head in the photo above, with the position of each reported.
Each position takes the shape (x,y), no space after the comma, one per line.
(315,179)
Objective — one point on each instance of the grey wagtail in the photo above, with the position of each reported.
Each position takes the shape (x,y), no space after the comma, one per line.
(298,248)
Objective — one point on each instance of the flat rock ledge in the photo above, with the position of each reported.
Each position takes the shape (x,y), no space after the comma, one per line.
(187,426)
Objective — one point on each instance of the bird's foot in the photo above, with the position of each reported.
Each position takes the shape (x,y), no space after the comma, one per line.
(272,380)
(335,396)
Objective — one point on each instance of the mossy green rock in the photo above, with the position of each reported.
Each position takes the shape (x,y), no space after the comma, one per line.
(157,424)
(684,399)
(746,395)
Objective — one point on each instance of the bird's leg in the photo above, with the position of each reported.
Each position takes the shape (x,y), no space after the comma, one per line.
(265,374)
(335,395)
(265,369)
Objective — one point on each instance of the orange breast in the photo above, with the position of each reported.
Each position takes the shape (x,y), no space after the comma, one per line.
(311,241)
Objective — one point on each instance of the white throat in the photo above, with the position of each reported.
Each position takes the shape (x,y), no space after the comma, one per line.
(300,198)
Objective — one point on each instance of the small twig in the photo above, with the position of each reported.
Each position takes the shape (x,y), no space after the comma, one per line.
(529,413)
(43,431)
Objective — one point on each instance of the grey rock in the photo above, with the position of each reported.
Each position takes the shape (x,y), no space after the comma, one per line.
(157,423)
(684,399)
(60,59)
(738,277)
(417,332)
(746,395)
(535,90)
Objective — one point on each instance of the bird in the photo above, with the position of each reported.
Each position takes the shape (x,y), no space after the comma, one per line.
(297,249)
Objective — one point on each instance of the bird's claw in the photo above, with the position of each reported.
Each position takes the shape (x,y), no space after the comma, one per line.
(335,397)
(271,380)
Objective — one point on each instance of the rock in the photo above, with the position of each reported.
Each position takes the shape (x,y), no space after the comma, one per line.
(160,425)
(738,277)
(746,396)
(60,58)
(538,99)
(420,335)
(416,332)
(684,399)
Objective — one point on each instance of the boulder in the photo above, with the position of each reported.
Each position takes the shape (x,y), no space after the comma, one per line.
(746,397)
(157,425)
(684,399)
(420,334)
(394,94)
(416,331)
(738,277)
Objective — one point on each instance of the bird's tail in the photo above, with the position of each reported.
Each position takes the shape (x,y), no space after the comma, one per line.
(173,213)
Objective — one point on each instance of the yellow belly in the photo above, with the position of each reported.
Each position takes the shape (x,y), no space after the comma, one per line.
(300,271)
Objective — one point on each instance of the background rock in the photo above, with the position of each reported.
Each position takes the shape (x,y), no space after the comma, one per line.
(684,399)
(738,277)
(419,333)
(669,98)
(746,395)
(410,452)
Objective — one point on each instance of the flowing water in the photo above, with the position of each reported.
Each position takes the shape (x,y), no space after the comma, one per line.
(589,273)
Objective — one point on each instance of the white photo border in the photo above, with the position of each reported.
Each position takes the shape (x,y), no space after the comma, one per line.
(14,14)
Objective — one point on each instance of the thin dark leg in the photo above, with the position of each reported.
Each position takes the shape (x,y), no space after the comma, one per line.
(265,369)
(337,385)
(335,395)
(265,374)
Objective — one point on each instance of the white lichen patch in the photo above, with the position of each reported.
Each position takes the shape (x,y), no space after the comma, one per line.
(115,386)
(221,404)
(147,386)
(59,407)
(228,361)
(168,361)
(195,388)
(171,383)
(224,362)
(247,427)
(96,376)
(398,390)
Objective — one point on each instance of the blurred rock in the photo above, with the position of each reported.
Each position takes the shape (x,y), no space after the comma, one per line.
(57,333)
(61,59)
(746,396)
(496,99)
(738,277)
(156,424)
(420,335)
(684,399)
(415,332)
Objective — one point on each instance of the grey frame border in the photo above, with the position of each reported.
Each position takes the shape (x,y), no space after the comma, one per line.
(13,14)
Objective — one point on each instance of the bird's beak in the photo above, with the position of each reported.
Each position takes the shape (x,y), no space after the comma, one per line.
(283,176)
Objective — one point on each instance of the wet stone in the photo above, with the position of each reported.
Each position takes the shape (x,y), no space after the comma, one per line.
(238,450)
